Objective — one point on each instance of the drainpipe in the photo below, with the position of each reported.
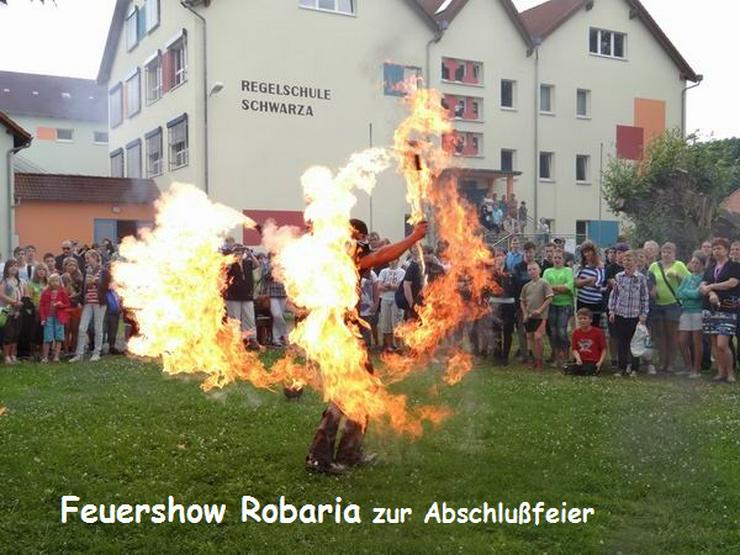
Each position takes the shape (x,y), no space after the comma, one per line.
(437,37)
(187,4)
(699,79)
(11,191)
(537,42)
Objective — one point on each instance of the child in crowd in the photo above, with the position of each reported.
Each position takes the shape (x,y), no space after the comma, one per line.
(628,306)
(588,346)
(535,302)
(34,289)
(690,323)
(52,307)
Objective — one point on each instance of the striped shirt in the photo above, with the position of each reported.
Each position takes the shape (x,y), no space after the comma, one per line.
(629,297)
(591,294)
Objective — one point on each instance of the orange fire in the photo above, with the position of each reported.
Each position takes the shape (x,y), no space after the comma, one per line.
(469,269)
(173,277)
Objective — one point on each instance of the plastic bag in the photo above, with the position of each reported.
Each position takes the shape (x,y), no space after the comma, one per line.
(641,344)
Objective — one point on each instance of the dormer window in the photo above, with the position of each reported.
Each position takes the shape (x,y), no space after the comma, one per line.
(607,43)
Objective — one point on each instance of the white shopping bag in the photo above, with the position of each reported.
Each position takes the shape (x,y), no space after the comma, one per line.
(641,344)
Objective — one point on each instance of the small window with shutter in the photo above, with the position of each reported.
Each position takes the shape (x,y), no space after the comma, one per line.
(154,166)
(177,131)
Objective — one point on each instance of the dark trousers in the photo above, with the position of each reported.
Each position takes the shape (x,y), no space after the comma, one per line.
(624,329)
(349,450)
(504,331)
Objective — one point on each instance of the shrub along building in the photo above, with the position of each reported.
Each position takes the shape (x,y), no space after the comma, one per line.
(240,98)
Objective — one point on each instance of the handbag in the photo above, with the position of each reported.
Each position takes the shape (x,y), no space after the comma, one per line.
(3,316)
(668,283)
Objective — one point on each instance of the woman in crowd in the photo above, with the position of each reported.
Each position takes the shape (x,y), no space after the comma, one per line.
(11,293)
(690,325)
(721,288)
(96,281)
(560,278)
(390,315)
(278,299)
(590,282)
(34,288)
(668,273)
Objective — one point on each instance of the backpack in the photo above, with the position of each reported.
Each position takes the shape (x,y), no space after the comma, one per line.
(401,297)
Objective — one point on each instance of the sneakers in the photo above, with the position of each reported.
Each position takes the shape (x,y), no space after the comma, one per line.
(95,357)
(56,359)
(334,469)
(651,370)
(76,358)
(44,360)
(694,376)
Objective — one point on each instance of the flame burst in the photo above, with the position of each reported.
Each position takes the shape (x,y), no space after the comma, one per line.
(470,268)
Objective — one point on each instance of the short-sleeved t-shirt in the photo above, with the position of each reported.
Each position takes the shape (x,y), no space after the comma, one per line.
(675,275)
(728,300)
(413,276)
(534,294)
(589,344)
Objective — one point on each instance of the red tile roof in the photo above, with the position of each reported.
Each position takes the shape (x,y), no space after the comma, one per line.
(20,135)
(544,19)
(84,188)
(28,94)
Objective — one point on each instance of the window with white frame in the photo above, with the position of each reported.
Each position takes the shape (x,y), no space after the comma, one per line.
(547,161)
(508,93)
(462,71)
(583,161)
(116,163)
(400,80)
(65,135)
(153,78)
(508,160)
(177,131)
(133,159)
(177,53)
(607,43)
(583,103)
(547,99)
(100,137)
(133,94)
(115,105)
(338,6)
(132,27)
(154,153)
(151,9)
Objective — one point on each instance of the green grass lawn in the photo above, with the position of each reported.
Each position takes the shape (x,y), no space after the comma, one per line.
(658,459)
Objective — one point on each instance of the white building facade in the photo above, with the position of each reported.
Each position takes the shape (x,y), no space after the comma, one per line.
(240,98)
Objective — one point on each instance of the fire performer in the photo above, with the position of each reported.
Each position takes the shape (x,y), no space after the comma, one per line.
(321,456)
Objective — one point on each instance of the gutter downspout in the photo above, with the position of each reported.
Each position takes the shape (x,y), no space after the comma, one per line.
(537,43)
(11,192)
(185,4)
(699,79)
(437,37)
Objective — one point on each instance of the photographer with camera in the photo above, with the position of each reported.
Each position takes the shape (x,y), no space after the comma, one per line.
(239,292)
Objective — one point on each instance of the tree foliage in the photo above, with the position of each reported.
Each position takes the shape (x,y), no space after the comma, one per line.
(674,193)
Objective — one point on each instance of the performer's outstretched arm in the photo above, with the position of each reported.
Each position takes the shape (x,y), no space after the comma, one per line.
(390,252)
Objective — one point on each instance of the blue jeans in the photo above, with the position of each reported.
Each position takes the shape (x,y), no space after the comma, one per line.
(558,317)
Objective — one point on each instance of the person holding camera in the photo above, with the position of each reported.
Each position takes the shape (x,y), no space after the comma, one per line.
(239,292)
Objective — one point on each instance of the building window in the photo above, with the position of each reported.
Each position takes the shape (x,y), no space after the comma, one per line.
(132,29)
(175,63)
(547,160)
(100,137)
(466,108)
(463,144)
(177,131)
(582,168)
(547,99)
(116,163)
(151,9)
(462,71)
(400,80)
(508,93)
(133,159)
(583,103)
(153,77)
(338,6)
(115,98)
(65,135)
(133,94)
(508,160)
(607,43)
(154,165)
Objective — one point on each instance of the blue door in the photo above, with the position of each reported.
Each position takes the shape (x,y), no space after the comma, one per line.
(604,232)
(105,229)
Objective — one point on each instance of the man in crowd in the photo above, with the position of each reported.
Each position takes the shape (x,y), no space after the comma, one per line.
(612,269)
(521,276)
(239,292)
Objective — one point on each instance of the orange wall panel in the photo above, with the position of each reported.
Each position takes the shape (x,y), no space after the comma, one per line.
(650,115)
(46,224)
(46,134)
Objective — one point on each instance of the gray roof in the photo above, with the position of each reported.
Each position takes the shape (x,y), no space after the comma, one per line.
(28,94)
